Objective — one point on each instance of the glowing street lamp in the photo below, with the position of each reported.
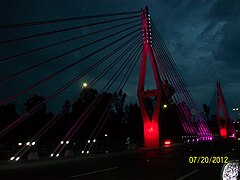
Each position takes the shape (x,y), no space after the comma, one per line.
(84,85)
(165,106)
(236,112)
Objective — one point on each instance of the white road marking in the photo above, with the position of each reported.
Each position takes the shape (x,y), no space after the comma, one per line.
(226,153)
(94,172)
(188,174)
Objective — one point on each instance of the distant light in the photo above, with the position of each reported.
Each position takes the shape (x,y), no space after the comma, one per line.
(87,152)
(167,142)
(62,142)
(106,135)
(84,85)
(67,142)
(57,155)
(88,141)
(28,143)
(94,140)
(51,155)
(193,140)
(33,143)
(20,144)
(165,106)
(12,158)
(17,158)
(106,152)
(236,109)
(82,152)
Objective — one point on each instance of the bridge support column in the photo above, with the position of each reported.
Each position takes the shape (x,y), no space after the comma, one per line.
(150,122)
(224,121)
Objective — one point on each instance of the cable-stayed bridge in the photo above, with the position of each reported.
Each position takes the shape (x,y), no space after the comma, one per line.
(109,51)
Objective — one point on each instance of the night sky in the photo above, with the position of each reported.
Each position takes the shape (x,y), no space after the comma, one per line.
(202,36)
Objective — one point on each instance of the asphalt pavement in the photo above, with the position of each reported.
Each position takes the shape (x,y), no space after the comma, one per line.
(189,161)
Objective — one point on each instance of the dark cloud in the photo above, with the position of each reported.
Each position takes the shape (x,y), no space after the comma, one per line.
(224,10)
(202,36)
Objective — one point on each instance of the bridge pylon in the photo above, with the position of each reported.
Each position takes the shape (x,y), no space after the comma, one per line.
(226,127)
(150,122)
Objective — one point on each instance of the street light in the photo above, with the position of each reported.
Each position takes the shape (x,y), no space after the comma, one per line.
(84,85)
(236,112)
(165,106)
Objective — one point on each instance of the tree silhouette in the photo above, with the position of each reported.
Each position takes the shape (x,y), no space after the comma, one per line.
(206,111)
(8,115)
(35,121)
(134,123)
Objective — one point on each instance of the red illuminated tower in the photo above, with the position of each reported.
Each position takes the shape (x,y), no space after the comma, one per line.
(150,123)
(223,117)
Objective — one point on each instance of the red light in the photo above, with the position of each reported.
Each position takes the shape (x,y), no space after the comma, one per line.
(167,142)
(223,132)
(151,134)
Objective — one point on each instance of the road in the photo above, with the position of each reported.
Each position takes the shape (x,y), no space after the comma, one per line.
(164,163)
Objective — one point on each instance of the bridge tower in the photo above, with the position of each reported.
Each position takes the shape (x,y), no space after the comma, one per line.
(150,123)
(223,117)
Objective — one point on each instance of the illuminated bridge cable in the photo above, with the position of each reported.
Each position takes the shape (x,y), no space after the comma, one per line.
(202,124)
(64,30)
(107,112)
(169,68)
(64,69)
(55,119)
(165,77)
(165,71)
(185,118)
(175,75)
(43,130)
(66,53)
(72,131)
(170,76)
(36,108)
(114,63)
(169,71)
(177,70)
(87,112)
(6,59)
(61,20)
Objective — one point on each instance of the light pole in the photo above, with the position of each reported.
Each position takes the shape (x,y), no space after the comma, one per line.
(236,112)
